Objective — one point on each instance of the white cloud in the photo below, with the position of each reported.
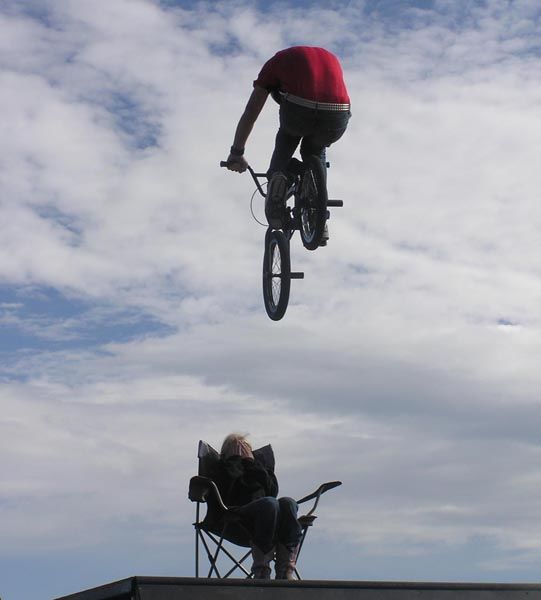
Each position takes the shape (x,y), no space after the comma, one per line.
(407,358)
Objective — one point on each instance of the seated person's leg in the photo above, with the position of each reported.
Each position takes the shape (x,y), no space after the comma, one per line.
(289,530)
(289,535)
(260,518)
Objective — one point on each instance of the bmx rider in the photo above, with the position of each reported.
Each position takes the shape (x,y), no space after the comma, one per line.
(308,84)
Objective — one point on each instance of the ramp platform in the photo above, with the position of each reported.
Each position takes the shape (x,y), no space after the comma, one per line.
(184,588)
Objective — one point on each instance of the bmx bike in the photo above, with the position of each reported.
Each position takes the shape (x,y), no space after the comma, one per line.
(308,214)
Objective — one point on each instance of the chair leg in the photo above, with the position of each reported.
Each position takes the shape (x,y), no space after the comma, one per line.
(304,532)
(197,534)
(238,564)
(210,557)
(196,554)
(213,558)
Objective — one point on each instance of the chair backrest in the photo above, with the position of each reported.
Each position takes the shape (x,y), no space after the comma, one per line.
(208,457)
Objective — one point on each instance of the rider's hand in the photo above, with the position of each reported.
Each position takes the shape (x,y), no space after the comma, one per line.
(237,163)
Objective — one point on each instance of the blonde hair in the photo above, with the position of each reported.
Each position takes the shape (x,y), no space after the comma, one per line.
(236,444)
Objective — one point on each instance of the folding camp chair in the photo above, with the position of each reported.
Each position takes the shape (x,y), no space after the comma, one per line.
(220,542)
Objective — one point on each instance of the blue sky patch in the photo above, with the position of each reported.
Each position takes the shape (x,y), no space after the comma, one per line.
(42,318)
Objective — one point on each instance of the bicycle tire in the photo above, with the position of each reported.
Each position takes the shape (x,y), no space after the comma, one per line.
(276,274)
(312,203)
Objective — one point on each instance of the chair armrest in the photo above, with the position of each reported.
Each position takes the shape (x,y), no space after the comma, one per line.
(324,487)
(203,488)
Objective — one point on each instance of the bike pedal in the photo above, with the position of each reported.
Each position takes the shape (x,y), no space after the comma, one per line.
(335,203)
(297,275)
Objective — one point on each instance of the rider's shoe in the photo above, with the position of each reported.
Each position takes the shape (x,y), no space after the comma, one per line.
(275,201)
(325,236)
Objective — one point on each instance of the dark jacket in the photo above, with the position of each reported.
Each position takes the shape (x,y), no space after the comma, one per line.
(241,480)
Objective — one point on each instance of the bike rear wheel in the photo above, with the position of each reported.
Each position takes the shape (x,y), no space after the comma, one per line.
(312,203)
(276,274)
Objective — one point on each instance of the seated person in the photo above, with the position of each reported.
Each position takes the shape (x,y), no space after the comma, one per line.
(245,482)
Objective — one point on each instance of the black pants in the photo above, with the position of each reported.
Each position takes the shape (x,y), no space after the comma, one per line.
(270,521)
(317,129)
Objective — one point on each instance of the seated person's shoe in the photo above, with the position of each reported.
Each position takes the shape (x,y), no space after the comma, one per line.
(261,566)
(286,560)
(275,202)
(261,572)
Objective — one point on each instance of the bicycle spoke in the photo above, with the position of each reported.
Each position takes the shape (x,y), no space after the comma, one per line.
(276,283)
(276,261)
(276,290)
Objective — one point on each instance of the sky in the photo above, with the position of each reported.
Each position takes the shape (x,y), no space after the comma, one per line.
(131,313)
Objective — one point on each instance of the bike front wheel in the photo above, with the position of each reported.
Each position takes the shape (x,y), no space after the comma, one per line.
(312,203)
(276,274)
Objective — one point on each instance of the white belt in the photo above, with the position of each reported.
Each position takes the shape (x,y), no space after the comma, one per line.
(313,104)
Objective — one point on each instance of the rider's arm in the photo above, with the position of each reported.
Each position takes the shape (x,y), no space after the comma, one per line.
(246,123)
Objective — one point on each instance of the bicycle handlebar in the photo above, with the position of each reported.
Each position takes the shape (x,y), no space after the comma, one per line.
(255,176)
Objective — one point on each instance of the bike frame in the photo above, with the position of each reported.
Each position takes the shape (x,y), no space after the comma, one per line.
(277,272)
(256,177)
(291,191)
